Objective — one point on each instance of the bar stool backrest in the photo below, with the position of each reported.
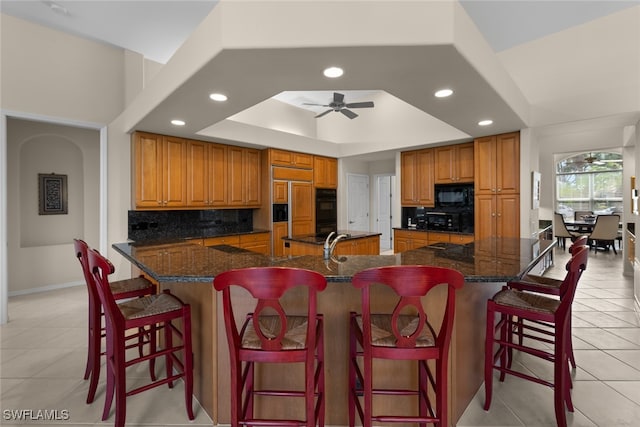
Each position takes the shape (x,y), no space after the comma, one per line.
(101,268)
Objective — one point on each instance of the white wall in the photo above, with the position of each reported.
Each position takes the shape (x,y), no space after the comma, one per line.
(40,247)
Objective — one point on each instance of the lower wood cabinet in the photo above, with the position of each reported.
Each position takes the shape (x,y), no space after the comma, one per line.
(357,246)
(256,242)
(280,230)
(405,240)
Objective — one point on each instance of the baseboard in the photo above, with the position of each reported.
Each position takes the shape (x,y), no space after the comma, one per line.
(45,288)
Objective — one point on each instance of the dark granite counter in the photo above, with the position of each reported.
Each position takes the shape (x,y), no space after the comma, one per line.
(424,230)
(489,260)
(187,270)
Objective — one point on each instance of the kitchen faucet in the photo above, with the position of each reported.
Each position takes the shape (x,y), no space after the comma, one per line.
(330,246)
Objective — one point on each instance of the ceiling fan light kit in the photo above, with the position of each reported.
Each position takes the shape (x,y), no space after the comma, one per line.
(339,106)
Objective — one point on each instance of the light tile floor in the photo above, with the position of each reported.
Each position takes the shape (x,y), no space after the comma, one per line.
(43,350)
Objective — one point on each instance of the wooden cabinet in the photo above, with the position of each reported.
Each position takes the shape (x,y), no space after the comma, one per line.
(222,240)
(302,209)
(280,192)
(160,171)
(256,242)
(436,237)
(206,174)
(497,186)
(454,163)
(361,246)
(497,216)
(461,239)
(325,172)
(244,177)
(280,230)
(291,158)
(405,240)
(417,178)
(497,164)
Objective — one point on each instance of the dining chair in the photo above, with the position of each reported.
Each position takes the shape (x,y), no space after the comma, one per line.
(499,345)
(549,286)
(121,289)
(154,313)
(402,333)
(560,230)
(605,232)
(268,336)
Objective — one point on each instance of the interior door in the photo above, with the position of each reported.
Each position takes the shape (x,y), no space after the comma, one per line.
(384,203)
(358,202)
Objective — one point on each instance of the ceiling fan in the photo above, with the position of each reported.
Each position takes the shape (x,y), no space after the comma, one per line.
(591,159)
(338,105)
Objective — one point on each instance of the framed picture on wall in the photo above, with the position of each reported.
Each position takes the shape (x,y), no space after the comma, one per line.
(52,194)
(535,190)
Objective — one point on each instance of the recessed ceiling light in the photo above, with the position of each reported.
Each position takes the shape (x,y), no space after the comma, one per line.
(485,122)
(443,93)
(177,122)
(333,72)
(218,97)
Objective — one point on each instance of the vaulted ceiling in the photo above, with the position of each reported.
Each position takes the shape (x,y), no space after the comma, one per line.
(521,64)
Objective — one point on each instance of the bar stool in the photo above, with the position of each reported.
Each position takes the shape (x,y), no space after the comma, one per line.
(538,308)
(269,335)
(549,286)
(403,333)
(154,313)
(121,289)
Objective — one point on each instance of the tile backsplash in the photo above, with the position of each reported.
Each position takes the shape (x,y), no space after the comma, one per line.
(157,225)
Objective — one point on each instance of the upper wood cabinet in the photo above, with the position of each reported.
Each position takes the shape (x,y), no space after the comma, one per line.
(417,178)
(497,186)
(325,172)
(244,177)
(291,158)
(160,171)
(497,164)
(302,209)
(206,174)
(280,192)
(454,163)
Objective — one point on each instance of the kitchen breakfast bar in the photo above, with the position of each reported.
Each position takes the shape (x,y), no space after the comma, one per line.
(188,270)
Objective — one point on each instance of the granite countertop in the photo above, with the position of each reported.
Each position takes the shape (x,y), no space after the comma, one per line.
(318,240)
(487,260)
(185,240)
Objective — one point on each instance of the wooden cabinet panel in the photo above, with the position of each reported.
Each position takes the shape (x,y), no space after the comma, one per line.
(497,186)
(417,178)
(244,177)
(206,174)
(325,172)
(160,171)
(497,164)
(279,231)
(302,208)
(222,240)
(280,192)
(291,158)
(361,246)
(454,163)
(404,240)
(438,237)
(256,242)
(461,239)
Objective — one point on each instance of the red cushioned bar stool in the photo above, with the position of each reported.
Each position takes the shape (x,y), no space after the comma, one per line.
(549,286)
(153,313)
(269,335)
(510,303)
(121,289)
(402,333)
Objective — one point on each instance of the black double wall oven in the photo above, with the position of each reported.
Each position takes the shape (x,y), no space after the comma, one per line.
(326,211)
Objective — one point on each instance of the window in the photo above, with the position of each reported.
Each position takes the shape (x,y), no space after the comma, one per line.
(589,182)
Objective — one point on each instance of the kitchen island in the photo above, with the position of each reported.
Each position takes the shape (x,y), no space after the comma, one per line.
(188,270)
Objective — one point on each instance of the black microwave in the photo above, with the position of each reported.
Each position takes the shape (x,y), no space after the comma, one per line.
(454,195)
(442,221)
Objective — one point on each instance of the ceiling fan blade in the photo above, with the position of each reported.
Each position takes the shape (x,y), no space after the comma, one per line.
(367,104)
(322,114)
(338,98)
(349,113)
(317,105)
